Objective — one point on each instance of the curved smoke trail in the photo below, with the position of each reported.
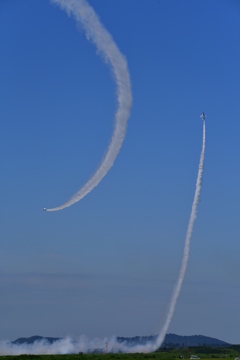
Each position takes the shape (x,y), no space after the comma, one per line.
(186,253)
(104,42)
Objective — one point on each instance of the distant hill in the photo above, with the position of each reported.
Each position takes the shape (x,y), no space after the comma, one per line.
(194,340)
(175,341)
(32,339)
(171,341)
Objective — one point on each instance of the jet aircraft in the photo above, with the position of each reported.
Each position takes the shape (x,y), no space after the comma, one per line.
(203,116)
(44,209)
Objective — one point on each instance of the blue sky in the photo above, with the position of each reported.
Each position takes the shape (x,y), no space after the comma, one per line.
(107,265)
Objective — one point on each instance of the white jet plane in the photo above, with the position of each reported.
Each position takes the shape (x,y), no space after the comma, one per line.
(203,116)
(44,209)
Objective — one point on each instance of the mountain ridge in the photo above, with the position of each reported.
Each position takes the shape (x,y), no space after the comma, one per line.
(170,341)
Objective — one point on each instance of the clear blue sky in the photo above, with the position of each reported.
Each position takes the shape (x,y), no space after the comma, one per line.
(107,265)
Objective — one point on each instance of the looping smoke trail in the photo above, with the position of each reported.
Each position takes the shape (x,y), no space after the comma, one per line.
(105,44)
(186,253)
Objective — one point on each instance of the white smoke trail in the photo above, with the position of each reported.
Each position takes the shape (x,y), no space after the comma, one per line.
(70,346)
(105,44)
(186,253)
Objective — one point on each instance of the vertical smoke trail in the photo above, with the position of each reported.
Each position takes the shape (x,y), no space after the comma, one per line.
(186,253)
(104,42)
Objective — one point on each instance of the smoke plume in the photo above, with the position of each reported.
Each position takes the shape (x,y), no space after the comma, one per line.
(70,346)
(186,252)
(95,31)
